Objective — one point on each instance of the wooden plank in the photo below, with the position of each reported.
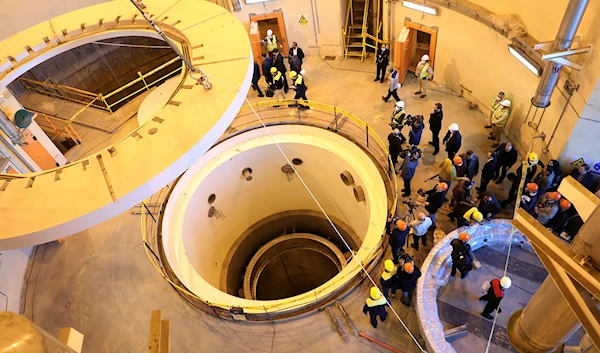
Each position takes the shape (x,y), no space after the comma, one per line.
(165,336)
(379,343)
(337,324)
(155,330)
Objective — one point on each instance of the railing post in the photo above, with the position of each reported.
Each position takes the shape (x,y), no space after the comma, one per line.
(335,117)
(143,80)
(298,110)
(367,135)
(106,103)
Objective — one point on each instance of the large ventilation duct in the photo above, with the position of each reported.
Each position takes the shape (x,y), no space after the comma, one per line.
(13,133)
(564,39)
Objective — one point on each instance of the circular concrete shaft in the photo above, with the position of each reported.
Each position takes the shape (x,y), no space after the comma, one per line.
(291,265)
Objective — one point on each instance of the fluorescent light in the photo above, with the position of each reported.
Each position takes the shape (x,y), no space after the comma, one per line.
(525,60)
(419,7)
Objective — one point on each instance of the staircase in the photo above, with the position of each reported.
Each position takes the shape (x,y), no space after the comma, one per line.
(355,39)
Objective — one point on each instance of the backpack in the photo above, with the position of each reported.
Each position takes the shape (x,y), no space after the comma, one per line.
(464,260)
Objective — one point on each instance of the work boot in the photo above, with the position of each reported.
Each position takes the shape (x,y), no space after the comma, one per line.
(261,95)
(491,137)
(487,316)
(415,246)
(452,274)
(384,99)
(431,143)
(499,310)
(488,126)
(423,95)
(376,79)
(417,92)
(406,194)
(381,80)
(482,298)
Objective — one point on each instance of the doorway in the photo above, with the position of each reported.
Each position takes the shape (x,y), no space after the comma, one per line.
(259,24)
(414,41)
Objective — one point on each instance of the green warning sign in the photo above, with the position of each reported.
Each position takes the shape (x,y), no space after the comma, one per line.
(578,163)
(302,21)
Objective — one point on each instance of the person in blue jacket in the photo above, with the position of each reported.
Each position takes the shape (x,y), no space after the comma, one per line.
(375,306)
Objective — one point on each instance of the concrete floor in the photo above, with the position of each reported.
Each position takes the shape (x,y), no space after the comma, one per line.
(101,283)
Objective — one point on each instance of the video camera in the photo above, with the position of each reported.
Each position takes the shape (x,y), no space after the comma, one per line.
(414,150)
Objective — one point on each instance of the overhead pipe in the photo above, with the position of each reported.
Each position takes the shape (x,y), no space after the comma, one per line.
(9,128)
(564,39)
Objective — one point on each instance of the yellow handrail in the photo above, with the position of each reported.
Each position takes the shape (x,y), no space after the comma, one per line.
(246,109)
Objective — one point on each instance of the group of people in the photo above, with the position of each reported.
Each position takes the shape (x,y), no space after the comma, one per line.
(274,71)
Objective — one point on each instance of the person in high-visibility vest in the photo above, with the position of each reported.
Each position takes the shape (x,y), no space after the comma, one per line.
(499,120)
(424,73)
(277,84)
(300,87)
(271,41)
(375,306)
(495,104)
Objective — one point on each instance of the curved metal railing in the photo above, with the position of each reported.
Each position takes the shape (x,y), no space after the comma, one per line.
(319,115)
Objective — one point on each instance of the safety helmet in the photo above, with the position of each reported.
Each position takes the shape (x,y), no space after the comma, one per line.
(409,267)
(565,204)
(400,104)
(425,57)
(478,216)
(457,161)
(292,74)
(555,195)
(388,265)
(273,70)
(533,158)
(453,127)
(505,282)
(505,103)
(375,293)
(533,187)
(401,224)
(464,236)
(269,32)
(442,186)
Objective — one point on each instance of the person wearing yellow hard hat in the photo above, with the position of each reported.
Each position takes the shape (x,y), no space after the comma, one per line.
(499,120)
(375,306)
(533,161)
(299,86)
(407,281)
(462,256)
(471,216)
(397,231)
(388,278)
(277,85)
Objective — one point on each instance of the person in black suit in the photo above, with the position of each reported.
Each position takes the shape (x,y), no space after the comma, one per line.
(280,65)
(435,125)
(487,173)
(506,157)
(583,176)
(452,140)
(296,51)
(383,59)
(255,78)
(266,68)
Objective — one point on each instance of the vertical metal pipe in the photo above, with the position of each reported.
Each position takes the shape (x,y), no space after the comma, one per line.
(9,128)
(564,39)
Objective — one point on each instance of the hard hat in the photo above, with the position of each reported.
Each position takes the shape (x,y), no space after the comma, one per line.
(409,267)
(464,236)
(505,103)
(425,57)
(375,293)
(293,74)
(478,216)
(555,195)
(453,127)
(457,161)
(273,70)
(505,282)
(401,224)
(400,104)
(389,265)
(565,204)
(533,158)
(269,32)
(533,187)
(442,186)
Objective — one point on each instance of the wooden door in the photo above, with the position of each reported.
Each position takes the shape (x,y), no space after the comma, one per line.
(259,24)
(37,151)
(404,52)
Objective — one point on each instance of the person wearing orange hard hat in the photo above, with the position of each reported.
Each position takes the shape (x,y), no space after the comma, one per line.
(557,223)
(448,173)
(407,281)
(530,197)
(547,206)
(462,256)
(434,199)
(375,306)
(397,231)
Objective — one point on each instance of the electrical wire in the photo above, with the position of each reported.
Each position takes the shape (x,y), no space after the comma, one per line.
(134,45)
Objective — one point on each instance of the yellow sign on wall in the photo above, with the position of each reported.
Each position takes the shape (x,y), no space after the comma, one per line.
(578,163)
(302,21)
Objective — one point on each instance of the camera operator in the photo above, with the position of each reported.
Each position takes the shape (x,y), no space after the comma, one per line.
(416,130)
(419,229)
(409,167)
(434,200)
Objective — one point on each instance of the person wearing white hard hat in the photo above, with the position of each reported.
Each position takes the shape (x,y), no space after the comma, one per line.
(452,140)
(499,120)
(424,73)
(271,41)
(393,85)
(493,106)
(495,293)
(399,116)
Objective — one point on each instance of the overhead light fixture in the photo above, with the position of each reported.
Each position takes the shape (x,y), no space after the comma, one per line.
(525,60)
(420,7)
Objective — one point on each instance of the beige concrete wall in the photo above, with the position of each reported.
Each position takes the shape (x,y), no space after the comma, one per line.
(322,35)
(471,54)
(13,265)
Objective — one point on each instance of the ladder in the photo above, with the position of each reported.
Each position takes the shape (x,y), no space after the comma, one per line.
(357,20)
